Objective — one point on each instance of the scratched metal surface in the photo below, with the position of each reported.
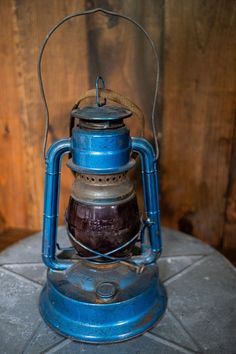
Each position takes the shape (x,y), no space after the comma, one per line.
(201,315)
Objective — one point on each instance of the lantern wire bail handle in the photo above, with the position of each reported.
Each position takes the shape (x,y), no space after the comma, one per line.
(98,80)
(40,79)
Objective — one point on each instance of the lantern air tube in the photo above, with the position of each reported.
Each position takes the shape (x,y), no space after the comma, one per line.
(150,188)
(51,202)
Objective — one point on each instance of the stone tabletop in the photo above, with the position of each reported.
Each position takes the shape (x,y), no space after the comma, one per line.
(201,314)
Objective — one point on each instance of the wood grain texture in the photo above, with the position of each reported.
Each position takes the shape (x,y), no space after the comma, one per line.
(121,54)
(199,108)
(229,234)
(64,70)
(13,197)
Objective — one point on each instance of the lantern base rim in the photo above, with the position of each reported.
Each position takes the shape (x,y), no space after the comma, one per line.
(101,322)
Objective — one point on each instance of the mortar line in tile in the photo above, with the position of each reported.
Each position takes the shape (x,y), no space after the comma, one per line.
(169,343)
(32,335)
(19,263)
(46,350)
(188,255)
(185,330)
(168,311)
(10,265)
(185,270)
(21,277)
(232,267)
(24,276)
(57,346)
(173,343)
(180,257)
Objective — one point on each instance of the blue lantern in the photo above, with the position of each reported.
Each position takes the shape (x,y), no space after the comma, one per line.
(108,289)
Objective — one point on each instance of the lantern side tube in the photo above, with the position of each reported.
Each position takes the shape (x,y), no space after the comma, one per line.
(51,202)
(151,198)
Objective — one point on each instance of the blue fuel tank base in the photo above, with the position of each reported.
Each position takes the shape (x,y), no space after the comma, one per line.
(102,303)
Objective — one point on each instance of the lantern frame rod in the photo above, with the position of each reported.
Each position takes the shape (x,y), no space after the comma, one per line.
(89,12)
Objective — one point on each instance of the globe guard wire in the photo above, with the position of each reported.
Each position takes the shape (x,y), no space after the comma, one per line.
(39,69)
(102,255)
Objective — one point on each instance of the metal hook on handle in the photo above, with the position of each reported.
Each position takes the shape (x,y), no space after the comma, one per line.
(98,80)
(39,69)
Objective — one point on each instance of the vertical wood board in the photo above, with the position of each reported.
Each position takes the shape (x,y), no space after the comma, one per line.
(199,103)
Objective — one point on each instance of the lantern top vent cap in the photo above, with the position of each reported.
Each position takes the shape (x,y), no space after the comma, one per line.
(103,113)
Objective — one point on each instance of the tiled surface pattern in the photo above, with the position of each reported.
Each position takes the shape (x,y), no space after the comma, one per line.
(201,315)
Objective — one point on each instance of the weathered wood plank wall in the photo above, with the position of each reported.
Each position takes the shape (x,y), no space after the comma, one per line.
(199,112)
(197,44)
(24,25)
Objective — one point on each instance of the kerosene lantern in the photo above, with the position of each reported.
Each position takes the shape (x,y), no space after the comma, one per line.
(110,289)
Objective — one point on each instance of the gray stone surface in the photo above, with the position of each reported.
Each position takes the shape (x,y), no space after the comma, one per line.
(29,249)
(204,299)
(176,243)
(169,266)
(35,272)
(19,315)
(201,315)
(139,345)
(170,329)
(42,339)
